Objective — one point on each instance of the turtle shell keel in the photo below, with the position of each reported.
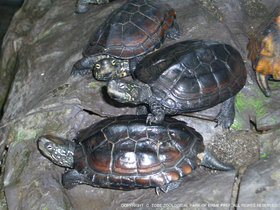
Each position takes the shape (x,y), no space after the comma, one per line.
(264,51)
(126,153)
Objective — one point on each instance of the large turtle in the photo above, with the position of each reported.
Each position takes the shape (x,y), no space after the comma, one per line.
(83,5)
(185,77)
(264,52)
(126,153)
(135,29)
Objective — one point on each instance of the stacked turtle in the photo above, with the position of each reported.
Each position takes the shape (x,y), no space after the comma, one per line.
(148,150)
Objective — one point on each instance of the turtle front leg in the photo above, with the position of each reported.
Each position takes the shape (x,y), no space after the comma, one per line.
(83,5)
(141,110)
(226,116)
(83,66)
(158,113)
(263,84)
(71,178)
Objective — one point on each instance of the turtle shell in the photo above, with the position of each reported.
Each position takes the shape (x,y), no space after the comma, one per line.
(193,75)
(126,153)
(264,47)
(134,29)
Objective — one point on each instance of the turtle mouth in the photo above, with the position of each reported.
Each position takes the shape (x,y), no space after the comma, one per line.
(116,94)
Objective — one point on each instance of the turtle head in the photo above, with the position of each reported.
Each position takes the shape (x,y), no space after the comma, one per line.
(59,151)
(124,91)
(110,68)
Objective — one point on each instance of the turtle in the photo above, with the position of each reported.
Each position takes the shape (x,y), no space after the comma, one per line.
(125,153)
(264,52)
(137,28)
(187,76)
(83,5)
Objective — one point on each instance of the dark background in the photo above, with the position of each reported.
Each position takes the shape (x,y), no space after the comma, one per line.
(7,10)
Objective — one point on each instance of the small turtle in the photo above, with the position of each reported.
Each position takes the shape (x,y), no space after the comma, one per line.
(264,52)
(83,5)
(126,153)
(185,77)
(135,29)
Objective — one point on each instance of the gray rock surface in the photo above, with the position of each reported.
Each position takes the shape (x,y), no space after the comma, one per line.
(260,187)
(45,39)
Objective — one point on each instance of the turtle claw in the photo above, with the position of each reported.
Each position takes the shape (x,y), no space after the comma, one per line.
(157,190)
(223,121)
(150,119)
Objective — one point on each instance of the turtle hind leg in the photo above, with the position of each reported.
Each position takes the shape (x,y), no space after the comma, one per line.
(82,66)
(173,32)
(71,178)
(168,187)
(226,116)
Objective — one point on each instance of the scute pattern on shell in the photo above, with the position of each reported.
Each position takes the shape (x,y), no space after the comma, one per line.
(132,30)
(193,75)
(126,153)
(264,47)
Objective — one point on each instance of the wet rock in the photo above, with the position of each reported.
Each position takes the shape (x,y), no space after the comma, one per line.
(32,184)
(18,31)
(270,143)
(190,194)
(260,186)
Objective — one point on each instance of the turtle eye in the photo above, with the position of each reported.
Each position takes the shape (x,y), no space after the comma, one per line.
(49,147)
(97,66)
(122,74)
(113,62)
(122,86)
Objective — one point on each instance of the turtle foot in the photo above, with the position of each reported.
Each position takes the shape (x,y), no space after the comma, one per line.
(141,110)
(168,187)
(174,32)
(82,6)
(226,116)
(71,178)
(156,119)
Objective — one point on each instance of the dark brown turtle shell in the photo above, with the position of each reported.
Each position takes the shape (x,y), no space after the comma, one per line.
(193,75)
(264,47)
(132,30)
(126,153)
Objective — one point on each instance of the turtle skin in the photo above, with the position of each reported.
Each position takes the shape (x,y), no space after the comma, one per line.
(138,27)
(126,153)
(264,51)
(193,75)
